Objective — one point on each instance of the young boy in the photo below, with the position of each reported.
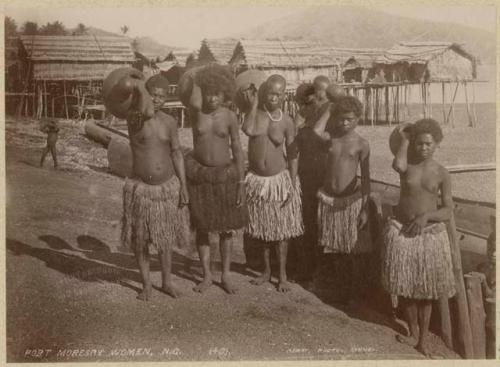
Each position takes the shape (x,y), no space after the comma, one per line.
(273,192)
(312,161)
(215,170)
(51,129)
(343,202)
(155,199)
(417,257)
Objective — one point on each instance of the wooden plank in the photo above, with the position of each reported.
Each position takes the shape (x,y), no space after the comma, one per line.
(459,168)
(464,331)
(445,318)
(477,314)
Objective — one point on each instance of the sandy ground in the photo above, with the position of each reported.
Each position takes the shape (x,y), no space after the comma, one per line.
(71,287)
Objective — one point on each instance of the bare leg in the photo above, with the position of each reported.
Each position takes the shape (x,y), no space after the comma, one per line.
(204,252)
(54,155)
(424,317)
(166,273)
(410,312)
(225,243)
(142,257)
(44,154)
(282,251)
(266,275)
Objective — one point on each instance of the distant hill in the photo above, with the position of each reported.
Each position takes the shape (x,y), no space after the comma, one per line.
(349,26)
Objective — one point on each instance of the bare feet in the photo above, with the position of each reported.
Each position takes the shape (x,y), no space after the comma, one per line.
(284,286)
(203,286)
(423,349)
(408,340)
(261,279)
(145,294)
(170,290)
(227,285)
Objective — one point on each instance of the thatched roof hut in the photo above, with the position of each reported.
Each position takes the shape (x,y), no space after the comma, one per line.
(297,61)
(429,61)
(78,58)
(358,64)
(216,50)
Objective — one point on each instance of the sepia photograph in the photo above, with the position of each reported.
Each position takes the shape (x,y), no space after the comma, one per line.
(250,181)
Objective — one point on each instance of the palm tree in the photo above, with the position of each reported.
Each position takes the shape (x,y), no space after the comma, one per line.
(124,29)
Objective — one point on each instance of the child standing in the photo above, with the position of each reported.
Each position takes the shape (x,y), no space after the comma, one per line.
(343,201)
(417,256)
(52,130)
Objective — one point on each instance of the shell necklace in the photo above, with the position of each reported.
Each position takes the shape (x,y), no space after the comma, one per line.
(271,116)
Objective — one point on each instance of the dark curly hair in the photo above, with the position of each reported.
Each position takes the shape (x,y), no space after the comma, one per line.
(426,126)
(157,81)
(346,104)
(215,78)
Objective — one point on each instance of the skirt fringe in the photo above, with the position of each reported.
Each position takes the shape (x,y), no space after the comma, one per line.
(417,267)
(213,193)
(338,225)
(274,207)
(151,215)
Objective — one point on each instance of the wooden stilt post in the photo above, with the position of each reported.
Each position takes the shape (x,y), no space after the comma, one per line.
(469,117)
(464,329)
(477,314)
(367,103)
(65,100)
(474,103)
(444,105)
(429,100)
(376,104)
(371,105)
(386,101)
(33,101)
(46,97)
(452,109)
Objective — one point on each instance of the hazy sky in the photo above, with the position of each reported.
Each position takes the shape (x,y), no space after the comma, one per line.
(187,26)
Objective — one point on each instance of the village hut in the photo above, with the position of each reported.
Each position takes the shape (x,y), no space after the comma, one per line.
(60,71)
(429,62)
(216,50)
(298,62)
(359,65)
(147,65)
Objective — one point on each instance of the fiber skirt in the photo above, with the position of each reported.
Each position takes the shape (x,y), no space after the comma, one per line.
(417,267)
(151,215)
(338,224)
(274,207)
(213,193)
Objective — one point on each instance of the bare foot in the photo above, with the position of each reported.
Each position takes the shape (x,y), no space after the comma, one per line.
(228,286)
(203,286)
(145,294)
(408,340)
(261,279)
(284,286)
(423,349)
(170,290)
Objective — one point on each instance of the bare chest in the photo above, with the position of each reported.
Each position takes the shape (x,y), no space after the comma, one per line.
(211,124)
(422,178)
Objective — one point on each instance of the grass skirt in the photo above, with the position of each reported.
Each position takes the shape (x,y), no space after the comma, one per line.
(272,217)
(418,267)
(151,215)
(212,193)
(338,224)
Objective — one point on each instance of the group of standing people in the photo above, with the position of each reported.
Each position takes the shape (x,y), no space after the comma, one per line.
(302,179)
